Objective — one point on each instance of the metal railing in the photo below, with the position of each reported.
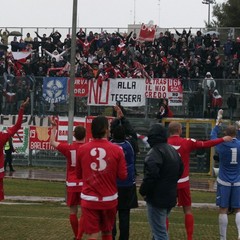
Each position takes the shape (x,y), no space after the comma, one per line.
(223,32)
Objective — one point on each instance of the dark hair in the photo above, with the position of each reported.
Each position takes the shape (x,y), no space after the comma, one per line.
(128,129)
(79,132)
(99,127)
(118,133)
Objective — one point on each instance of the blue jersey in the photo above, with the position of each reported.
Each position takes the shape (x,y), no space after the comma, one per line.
(129,156)
(229,159)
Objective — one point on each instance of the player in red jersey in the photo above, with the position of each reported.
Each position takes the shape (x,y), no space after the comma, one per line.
(74,185)
(4,137)
(99,164)
(185,146)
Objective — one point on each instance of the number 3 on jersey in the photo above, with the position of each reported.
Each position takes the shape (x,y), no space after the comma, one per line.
(100,154)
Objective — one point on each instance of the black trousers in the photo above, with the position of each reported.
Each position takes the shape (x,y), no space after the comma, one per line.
(8,160)
(124,222)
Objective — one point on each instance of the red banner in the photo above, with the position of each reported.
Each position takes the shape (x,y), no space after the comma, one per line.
(39,138)
(80,87)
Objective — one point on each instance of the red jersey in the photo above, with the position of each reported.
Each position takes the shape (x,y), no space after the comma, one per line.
(70,152)
(5,135)
(185,146)
(99,164)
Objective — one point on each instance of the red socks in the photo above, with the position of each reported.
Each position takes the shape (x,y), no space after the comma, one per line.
(80,228)
(189,222)
(74,223)
(167,223)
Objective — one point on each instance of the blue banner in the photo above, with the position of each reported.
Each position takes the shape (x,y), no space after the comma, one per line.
(55,89)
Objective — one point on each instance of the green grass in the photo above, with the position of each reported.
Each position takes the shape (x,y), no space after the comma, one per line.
(22,187)
(49,221)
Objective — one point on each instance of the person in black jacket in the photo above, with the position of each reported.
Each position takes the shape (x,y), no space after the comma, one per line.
(162,169)
(9,149)
(232,105)
(127,196)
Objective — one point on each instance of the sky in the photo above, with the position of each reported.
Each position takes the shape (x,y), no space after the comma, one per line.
(104,13)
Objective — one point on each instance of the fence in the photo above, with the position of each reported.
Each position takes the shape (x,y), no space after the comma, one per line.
(192,128)
(225,87)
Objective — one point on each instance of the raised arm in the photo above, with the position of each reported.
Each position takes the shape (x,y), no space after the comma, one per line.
(12,130)
(53,142)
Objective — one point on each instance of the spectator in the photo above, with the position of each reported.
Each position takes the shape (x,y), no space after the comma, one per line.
(164,110)
(4,36)
(22,92)
(10,99)
(228,48)
(43,42)
(198,102)
(14,44)
(199,39)
(127,196)
(162,169)
(22,45)
(209,82)
(232,105)
(217,102)
(228,178)
(85,46)
(40,105)
(35,46)
(67,41)
(28,38)
(184,34)
(5,135)
(115,108)
(183,75)
(215,41)
(184,147)
(99,164)
(56,36)
(81,35)
(56,55)
(9,149)
(74,185)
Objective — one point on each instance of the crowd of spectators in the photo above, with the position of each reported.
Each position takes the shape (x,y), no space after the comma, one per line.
(115,55)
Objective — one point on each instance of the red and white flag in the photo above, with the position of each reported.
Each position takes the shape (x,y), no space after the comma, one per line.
(147,32)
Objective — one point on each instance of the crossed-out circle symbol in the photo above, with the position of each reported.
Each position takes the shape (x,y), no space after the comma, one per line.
(54,88)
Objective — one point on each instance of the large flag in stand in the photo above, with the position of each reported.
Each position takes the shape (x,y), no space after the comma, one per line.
(147,32)
(55,89)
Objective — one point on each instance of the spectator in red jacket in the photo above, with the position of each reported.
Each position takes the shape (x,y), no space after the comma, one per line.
(216,103)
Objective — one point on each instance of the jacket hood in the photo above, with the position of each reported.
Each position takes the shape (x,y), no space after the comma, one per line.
(157,134)
(216,94)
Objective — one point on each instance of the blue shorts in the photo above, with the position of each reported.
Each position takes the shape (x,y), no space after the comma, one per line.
(228,196)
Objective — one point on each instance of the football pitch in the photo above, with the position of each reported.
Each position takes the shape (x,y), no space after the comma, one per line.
(47,220)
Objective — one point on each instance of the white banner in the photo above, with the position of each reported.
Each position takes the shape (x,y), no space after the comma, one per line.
(170,88)
(131,92)
(9,120)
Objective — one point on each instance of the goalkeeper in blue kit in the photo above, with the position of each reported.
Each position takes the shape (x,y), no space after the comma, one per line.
(228,180)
